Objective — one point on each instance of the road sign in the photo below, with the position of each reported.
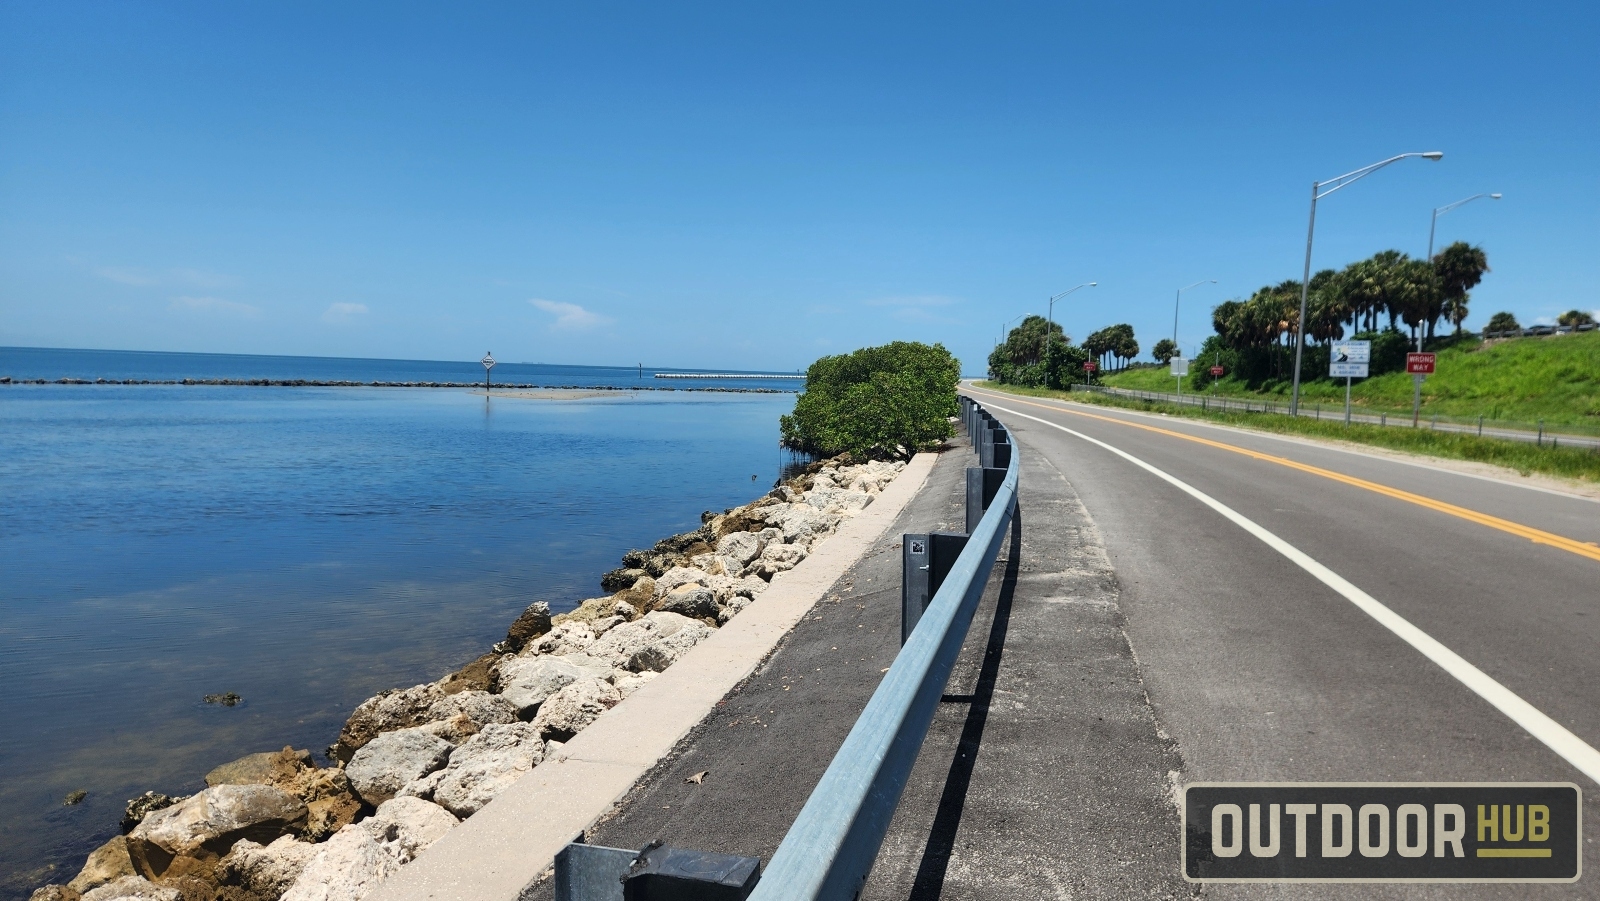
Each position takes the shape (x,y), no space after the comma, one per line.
(1352,352)
(1216,371)
(1419,364)
(1180,366)
(488,361)
(1090,366)
(1347,370)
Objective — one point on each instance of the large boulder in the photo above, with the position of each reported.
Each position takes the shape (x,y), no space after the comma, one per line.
(191,836)
(620,643)
(346,868)
(405,827)
(479,708)
(777,558)
(638,596)
(254,872)
(570,710)
(392,759)
(107,863)
(742,547)
(475,676)
(693,601)
(486,765)
(525,682)
(331,802)
(142,806)
(801,522)
(532,624)
(265,768)
(626,683)
(133,888)
(665,651)
(677,577)
(839,501)
(569,637)
(620,579)
(730,608)
(394,709)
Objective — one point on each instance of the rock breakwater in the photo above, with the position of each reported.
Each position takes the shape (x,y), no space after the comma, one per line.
(324,383)
(411,763)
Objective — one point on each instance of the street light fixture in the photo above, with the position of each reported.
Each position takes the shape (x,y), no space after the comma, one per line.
(1434,223)
(1050,322)
(1175,301)
(1317,193)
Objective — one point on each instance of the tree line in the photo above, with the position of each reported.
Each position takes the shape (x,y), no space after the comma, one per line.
(1037,353)
(1369,299)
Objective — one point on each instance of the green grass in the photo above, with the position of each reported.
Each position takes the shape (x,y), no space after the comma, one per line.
(1567,462)
(1522,380)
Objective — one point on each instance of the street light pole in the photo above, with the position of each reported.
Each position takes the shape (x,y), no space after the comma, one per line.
(1175,302)
(1050,323)
(1006,325)
(1317,193)
(1434,223)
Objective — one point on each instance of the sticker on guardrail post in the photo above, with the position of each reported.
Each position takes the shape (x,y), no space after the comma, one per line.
(1382,832)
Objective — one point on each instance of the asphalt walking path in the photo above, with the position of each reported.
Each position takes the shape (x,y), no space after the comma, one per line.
(1044,774)
(1261,672)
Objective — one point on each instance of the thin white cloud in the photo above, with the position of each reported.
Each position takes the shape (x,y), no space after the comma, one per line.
(202,279)
(569,315)
(912,301)
(213,305)
(123,275)
(343,312)
(144,278)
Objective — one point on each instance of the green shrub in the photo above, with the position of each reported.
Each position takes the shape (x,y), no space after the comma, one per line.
(877,402)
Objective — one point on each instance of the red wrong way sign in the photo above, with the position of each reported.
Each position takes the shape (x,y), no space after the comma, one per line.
(1216,371)
(1090,366)
(1419,364)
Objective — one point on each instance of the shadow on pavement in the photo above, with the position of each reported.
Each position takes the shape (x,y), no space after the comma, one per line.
(929,884)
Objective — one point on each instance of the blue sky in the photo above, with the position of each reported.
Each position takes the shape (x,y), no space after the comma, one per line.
(744,185)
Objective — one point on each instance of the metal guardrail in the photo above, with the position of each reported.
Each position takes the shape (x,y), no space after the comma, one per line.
(831,847)
(1484,427)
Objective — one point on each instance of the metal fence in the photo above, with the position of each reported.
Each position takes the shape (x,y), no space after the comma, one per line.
(1567,435)
(830,848)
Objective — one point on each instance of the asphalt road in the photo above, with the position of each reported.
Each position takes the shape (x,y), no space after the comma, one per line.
(1259,671)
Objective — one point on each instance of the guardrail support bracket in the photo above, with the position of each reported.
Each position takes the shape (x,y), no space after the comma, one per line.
(655,873)
(982,485)
(925,559)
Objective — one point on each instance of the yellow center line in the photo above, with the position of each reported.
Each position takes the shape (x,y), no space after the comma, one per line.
(1537,536)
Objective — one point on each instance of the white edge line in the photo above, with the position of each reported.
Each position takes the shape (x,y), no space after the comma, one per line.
(1315,443)
(1554,735)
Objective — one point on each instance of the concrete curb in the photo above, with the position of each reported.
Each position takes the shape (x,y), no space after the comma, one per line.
(510,844)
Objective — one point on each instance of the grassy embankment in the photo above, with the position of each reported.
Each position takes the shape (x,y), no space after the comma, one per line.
(1568,462)
(1521,380)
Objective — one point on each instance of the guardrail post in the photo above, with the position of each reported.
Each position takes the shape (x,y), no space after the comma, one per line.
(925,561)
(982,484)
(654,873)
(1000,455)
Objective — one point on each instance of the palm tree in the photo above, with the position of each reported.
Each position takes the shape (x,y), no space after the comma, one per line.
(1459,268)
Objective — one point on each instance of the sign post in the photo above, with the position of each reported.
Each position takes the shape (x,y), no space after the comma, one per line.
(1180,368)
(1420,366)
(1088,369)
(488,364)
(1349,359)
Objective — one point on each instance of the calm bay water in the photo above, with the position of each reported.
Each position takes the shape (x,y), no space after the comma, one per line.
(303,547)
